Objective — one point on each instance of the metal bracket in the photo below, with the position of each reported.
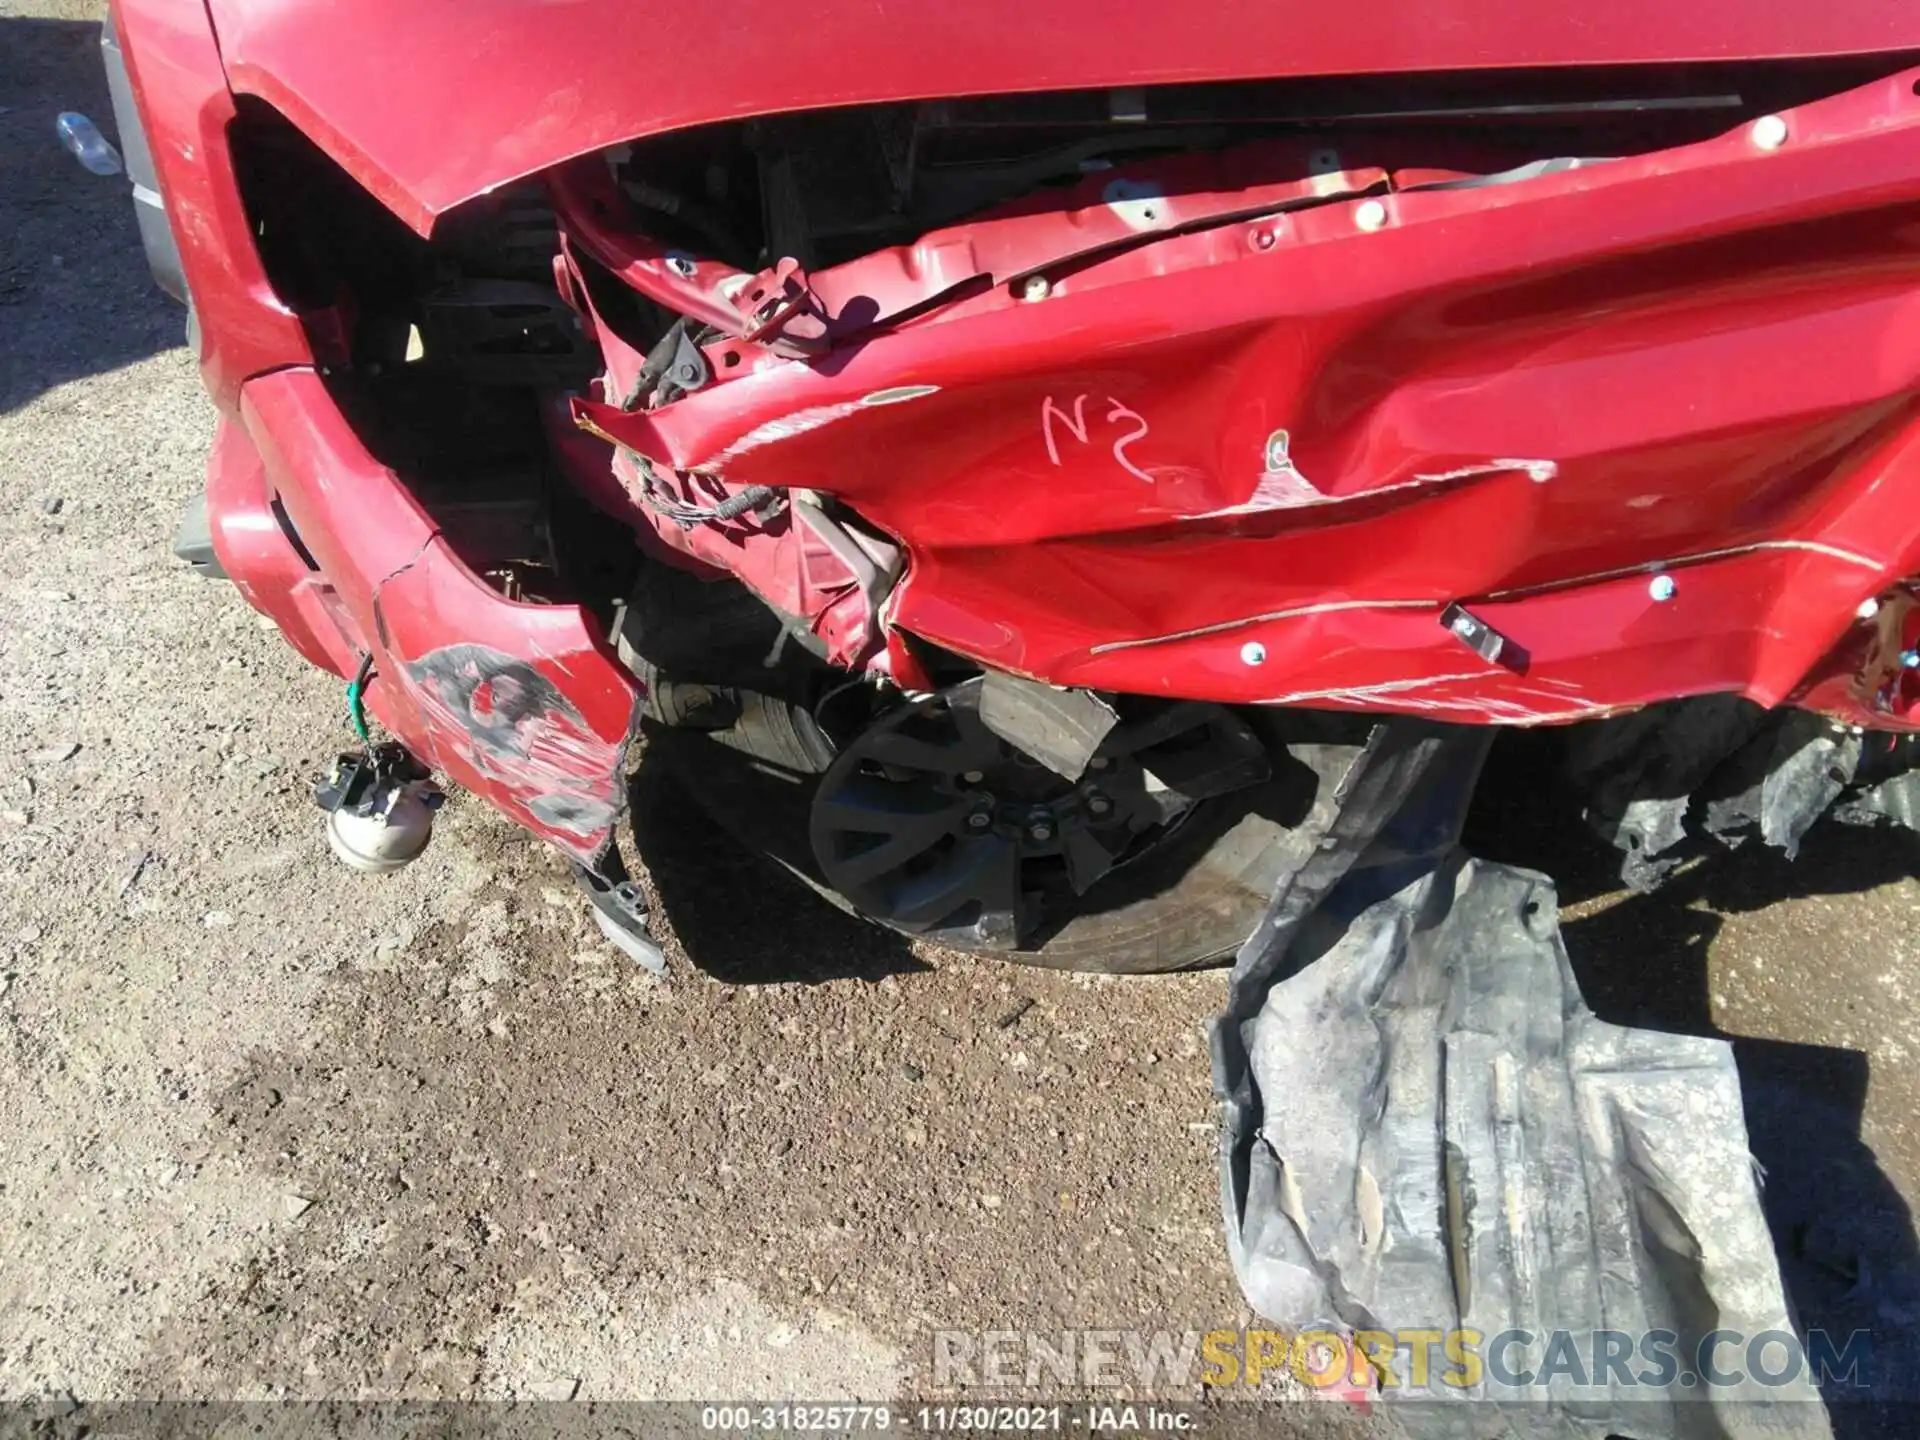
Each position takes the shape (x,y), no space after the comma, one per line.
(779,303)
(1481,638)
(620,908)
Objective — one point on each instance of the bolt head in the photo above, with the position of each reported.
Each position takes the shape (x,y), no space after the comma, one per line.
(993,927)
(1769,132)
(1868,609)
(1098,804)
(1262,238)
(1662,587)
(979,820)
(1040,830)
(1279,455)
(1035,287)
(1370,214)
(1098,762)
(1253,653)
(974,777)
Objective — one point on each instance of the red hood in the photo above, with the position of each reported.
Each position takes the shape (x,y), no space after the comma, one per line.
(432,102)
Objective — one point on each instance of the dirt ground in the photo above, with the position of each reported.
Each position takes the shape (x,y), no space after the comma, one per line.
(269,1128)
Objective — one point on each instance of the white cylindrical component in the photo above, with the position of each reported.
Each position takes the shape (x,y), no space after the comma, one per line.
(385,840)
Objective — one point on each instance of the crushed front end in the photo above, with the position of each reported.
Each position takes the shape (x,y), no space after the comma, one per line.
(1521,396)
(1092,503)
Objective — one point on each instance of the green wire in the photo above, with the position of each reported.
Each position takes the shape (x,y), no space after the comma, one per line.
(357,698)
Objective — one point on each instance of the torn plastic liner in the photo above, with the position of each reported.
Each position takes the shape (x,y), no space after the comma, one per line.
(1426,1129)
(1719,766)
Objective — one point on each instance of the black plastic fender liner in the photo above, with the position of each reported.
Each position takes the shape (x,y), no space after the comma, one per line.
(1657,781)
(1400,798)
(1426,1129)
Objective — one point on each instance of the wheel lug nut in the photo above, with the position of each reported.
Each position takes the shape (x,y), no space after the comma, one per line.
(1098,804)
(1040,830)
(974,777)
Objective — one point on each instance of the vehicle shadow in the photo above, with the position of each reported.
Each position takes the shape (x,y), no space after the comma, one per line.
(1843,1234)
(76,298)
(743,918)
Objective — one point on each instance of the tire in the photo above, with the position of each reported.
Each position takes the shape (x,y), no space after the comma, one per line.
(1190,901)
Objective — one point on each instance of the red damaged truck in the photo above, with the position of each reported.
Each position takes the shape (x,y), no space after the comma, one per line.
(980,442)
(1086,483)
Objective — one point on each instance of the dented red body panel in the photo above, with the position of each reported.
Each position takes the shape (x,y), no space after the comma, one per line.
(431,103)
(1228,449)
(1309,437)
(522,704)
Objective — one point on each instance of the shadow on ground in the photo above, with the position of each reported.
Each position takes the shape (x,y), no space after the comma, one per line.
(743,918)
(75,295)
(1842,1231)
